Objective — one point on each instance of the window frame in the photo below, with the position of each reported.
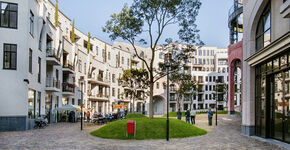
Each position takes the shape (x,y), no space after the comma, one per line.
(262,20)
(9,27)
(4,51)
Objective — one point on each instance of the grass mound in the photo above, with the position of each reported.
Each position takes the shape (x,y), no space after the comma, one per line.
(129,116)
(148,129)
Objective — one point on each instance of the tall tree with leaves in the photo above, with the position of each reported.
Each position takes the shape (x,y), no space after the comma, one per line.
(151,19)
(185,86)
(56,14)
(72,36)
(135,82)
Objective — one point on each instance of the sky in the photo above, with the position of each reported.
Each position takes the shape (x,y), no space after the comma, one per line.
(91,16)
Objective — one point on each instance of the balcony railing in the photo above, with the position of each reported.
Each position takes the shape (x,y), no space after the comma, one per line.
(68,87)
(51,52)
(69,65)
(52,82)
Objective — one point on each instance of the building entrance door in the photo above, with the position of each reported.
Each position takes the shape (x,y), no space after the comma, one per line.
(278,106)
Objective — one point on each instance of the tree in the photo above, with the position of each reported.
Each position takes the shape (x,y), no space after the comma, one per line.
(185,86)
(221,90)
(56,14)
(72,37)
(134,81)
(151,19)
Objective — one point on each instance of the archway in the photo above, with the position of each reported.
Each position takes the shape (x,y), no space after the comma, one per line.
(158,105)
(235,87)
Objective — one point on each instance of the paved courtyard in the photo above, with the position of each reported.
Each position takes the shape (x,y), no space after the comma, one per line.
(68,136)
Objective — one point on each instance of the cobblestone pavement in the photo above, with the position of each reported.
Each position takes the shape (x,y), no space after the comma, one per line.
(68,136)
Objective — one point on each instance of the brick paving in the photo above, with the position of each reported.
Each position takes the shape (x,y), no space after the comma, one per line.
(68,136)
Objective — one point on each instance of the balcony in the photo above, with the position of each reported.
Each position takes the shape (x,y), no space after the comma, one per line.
(68,67)
(235,11)
(51,56)
(98,97)
(52,85)
(68,89)
(98,80)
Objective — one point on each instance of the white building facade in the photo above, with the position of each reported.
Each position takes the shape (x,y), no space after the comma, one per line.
(43,70)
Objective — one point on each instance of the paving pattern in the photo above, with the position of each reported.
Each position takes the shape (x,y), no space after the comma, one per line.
(66,136)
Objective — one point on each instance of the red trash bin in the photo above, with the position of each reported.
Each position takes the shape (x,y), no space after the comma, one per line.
(131,127)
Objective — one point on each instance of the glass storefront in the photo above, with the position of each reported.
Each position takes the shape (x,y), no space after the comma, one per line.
(272,98)
(31,104)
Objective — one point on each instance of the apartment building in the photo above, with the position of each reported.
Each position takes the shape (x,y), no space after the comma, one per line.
(266,52)
(46,70)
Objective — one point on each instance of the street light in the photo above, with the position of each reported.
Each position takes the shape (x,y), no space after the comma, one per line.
(216,99)
(167,60)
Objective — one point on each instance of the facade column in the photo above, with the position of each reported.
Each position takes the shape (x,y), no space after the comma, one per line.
(103,108)
(248,112)
(231,90)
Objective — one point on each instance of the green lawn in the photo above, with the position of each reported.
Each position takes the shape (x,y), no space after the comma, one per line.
(135,116)
(148,129)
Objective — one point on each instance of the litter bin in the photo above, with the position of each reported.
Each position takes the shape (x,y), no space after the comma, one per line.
(131,127)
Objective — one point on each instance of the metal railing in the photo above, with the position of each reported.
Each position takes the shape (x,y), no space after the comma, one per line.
(69,65)
(67,87)
(52,82)
(51,52)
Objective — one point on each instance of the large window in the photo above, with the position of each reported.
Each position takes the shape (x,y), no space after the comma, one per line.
(30,60)
(10,56)
(39,69)
(263,33)
(31,104)
(8,17)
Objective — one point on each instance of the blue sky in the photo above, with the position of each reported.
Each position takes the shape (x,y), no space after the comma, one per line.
(91,15)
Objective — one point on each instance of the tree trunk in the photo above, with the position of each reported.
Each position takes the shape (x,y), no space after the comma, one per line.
(133,105)
(151,113)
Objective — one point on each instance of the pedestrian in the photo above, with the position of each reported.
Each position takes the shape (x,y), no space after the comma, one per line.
(209,114)
(192,116)
(179,114)
(88,114)
(187,116)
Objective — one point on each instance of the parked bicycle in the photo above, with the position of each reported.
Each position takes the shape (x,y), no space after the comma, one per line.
(41,122)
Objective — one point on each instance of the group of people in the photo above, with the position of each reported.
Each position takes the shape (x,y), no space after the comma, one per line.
(102,116)
(190,116)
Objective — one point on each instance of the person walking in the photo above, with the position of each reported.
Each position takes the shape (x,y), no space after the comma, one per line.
(88,115)
(192,116)
(179,114)
(187,116)
(209,114)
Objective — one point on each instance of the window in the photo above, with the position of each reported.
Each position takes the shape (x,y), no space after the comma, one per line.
(80,66)
(199,52)
(31,103)
(8,17)
(97,50)
(160,55)
(206,78)
(85,68)
(39,69)
(109,55)
(113,91)
(263,33)
(31,23)
(157,85)
(113,78)
(73,101)
(10,56)
(128,62)
(38,104)
(122,60)
(30,60)
(210,79)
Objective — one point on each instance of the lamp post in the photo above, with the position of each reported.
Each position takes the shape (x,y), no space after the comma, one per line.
(81,107)
(167,65)
(216,99)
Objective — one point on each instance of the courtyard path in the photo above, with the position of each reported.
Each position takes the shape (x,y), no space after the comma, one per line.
(68,136)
